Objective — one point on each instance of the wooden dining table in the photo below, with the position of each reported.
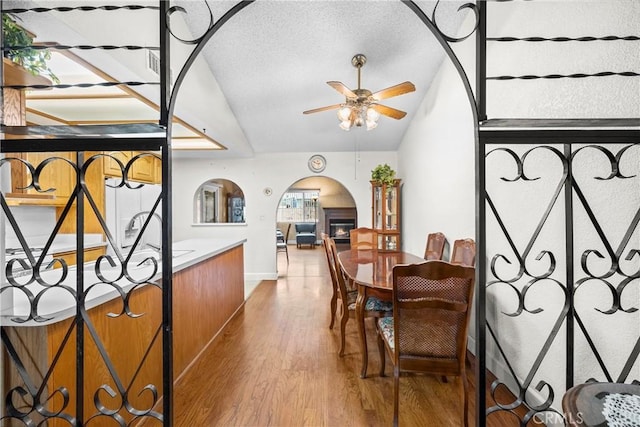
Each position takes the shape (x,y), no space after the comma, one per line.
(371,272)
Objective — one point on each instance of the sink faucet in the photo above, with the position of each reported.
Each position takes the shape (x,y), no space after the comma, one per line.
(129,229)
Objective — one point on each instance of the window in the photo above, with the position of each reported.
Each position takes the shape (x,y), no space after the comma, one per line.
(299,206)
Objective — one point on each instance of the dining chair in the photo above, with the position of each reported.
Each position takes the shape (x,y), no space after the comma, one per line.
(346,297)
(362,238)
(428,330)
(464,252)
(334,281)
(436,243)
(281,242)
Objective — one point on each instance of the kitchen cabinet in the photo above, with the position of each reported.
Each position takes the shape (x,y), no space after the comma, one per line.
(58,175)
(147,169)
(111,167)
(208,289)
(386,215)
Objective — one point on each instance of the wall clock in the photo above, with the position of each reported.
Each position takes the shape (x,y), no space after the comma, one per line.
(317,163)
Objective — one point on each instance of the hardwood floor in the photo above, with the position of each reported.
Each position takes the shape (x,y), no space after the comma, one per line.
(277,364)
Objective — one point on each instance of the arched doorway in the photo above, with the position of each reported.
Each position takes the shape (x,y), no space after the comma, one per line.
(320,200)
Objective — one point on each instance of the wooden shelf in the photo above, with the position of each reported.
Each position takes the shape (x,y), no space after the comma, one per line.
(21,199)
(15,75)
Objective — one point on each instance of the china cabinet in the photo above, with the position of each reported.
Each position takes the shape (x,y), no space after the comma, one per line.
(386,215)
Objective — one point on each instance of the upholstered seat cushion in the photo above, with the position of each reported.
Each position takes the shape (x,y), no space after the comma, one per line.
(385,324)
(374,304)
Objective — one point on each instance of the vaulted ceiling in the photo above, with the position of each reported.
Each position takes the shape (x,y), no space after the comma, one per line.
(271,62)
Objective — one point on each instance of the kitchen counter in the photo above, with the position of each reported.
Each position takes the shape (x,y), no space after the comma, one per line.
(123,328)
(57,303)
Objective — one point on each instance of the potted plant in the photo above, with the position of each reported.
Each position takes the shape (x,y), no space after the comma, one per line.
(383,174)
(31,59)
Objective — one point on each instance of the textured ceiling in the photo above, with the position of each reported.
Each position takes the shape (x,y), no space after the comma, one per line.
(272,60)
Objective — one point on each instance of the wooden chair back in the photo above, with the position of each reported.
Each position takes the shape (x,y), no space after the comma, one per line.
(341,284)
(431,312)
(432,307)
(464,252)
(435,246)
(362,238)
(329,245)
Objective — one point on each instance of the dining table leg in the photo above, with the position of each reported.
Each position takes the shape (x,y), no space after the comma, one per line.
(360,305)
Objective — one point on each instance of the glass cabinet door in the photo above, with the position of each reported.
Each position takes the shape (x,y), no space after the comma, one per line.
(391,211)
(386,215)
(377,208)
(388,242)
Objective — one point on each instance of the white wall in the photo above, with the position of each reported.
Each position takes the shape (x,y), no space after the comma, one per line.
(436,161)
(275,171)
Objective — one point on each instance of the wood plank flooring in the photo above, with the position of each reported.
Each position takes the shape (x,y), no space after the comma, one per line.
(277,364)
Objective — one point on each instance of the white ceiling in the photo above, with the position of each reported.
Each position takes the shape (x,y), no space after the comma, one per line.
(273,59)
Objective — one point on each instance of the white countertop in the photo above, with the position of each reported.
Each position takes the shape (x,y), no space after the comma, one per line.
(62,242)
(58,303)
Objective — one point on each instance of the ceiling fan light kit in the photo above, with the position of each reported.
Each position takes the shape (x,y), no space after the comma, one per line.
(361,105)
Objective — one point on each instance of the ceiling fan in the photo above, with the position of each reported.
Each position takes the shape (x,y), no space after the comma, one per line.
(361,106)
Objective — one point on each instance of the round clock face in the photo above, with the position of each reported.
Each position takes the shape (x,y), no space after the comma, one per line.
(317,163)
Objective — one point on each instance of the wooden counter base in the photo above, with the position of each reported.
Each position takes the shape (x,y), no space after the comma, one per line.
(205,296)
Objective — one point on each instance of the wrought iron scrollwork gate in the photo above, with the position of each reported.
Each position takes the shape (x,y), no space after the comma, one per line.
(557,288)
(86,323)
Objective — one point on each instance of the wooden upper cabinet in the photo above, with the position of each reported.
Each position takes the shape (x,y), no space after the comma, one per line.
(145,169)
(111,167)
(57,175)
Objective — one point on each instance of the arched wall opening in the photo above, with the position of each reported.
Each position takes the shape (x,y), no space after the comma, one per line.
(320,200)
(433,31)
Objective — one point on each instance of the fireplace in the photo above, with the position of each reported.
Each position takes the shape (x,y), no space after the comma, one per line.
(339,229)
(338,223)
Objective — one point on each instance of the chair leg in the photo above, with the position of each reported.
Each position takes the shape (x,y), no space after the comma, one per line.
(286,251)
(343,328)
(334,307)
(381,350)
(396,394)
(465,400)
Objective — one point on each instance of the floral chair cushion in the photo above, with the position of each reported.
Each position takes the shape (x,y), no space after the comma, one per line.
(385,324)
(374,304)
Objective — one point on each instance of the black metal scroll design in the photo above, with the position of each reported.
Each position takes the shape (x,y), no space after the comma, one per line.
(563,39)
(566,76)
(473,7)
(78,8)
(32,400)
(179,9)
(533,281)
(130,276)
(28,403)
(27,275)
(515,274)
(55,46)
(81,85)
(623,260)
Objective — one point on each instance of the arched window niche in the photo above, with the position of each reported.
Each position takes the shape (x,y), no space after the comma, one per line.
(219,201)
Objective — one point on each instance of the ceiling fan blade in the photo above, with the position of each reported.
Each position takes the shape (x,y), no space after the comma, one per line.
(388,111)
(317,110)
(396,90)
(340,87)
